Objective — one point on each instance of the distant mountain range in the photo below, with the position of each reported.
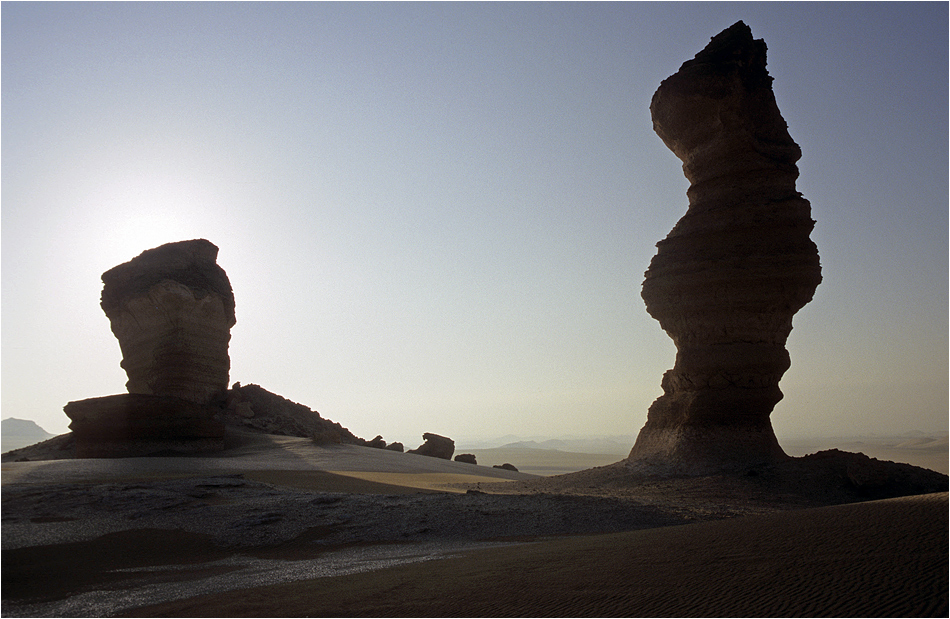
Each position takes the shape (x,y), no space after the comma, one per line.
(17,433)
(614,445)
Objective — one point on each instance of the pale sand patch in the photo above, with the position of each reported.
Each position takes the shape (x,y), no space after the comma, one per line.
(543,461)
(881,558)
(291,461)
(422,481)
(326,481)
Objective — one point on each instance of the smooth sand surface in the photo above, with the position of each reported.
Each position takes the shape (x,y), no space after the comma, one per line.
(283,460)
(543,461)
(879,559)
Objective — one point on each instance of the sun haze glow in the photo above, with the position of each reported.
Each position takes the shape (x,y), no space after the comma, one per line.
(436,217)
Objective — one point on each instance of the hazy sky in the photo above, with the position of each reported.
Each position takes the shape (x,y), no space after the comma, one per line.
(436,217)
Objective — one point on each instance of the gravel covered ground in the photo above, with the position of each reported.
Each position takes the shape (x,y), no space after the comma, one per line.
(97,549)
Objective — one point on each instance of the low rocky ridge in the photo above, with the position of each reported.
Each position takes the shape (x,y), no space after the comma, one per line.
(249,407)
(255,408)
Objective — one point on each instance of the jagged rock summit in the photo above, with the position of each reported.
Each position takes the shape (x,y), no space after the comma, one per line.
(728,278)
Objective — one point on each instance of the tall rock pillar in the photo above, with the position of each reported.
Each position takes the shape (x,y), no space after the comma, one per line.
(728,278)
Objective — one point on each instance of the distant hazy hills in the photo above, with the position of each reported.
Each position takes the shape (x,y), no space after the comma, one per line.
(613,445)
(17,433)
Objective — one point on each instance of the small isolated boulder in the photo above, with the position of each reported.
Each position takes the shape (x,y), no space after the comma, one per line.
(506,466)
(397,446)
(469,458)
(435,446)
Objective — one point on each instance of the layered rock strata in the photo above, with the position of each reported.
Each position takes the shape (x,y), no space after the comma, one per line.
(130,424)
(172,309)
(728,278)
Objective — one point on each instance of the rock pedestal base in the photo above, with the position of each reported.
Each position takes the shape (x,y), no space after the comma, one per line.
(131,425)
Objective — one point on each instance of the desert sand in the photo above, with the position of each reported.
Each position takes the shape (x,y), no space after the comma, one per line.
(279,526)
(883,558)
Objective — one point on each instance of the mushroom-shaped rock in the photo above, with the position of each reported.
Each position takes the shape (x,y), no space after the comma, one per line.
(738,265)
(172,309)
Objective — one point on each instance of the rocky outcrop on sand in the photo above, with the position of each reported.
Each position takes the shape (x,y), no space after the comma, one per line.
(172,309)
(467,458)
(738,265)
(435,446)
(253,407)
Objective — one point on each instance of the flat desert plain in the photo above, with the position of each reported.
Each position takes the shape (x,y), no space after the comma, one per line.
(278,526)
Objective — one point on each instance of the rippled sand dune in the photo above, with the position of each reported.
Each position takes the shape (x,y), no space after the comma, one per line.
(881,558)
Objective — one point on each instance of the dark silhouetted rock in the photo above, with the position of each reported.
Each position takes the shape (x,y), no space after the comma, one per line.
(133,424)
(253,407)
(728,278)
(397,446)
(468,458)
(172,309)
(377,443)
(506,466)
(435,446)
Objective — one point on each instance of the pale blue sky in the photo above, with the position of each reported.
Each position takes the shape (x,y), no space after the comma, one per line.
(436,217)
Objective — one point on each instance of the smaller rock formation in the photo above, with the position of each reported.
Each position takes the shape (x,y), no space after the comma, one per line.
(377,443)
(253,407)
(467,458)
(435,446)
(397,446)
(506,466)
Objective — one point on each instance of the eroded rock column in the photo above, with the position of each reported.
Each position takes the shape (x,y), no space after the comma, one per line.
(172,309)
(728,278)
